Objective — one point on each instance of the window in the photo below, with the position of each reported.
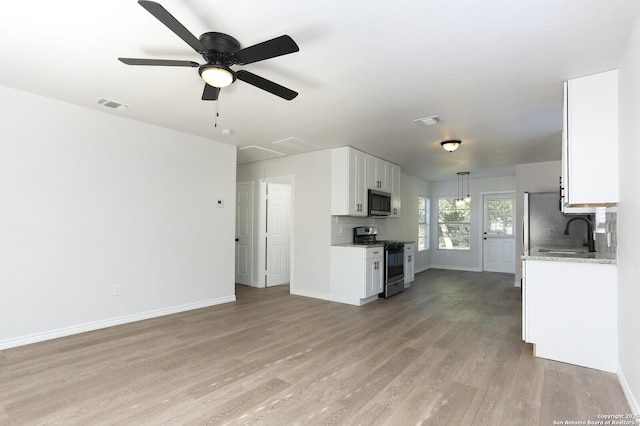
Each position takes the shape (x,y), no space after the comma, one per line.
(454,223)
(499,216)
(423,223)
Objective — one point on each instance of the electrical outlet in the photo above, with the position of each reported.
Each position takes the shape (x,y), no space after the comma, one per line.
(220,204)
(117,290)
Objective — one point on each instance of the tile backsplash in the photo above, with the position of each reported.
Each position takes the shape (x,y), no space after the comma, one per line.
(342,228)
(605,222)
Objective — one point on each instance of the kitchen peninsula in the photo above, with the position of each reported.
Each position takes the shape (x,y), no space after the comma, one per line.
(569,307)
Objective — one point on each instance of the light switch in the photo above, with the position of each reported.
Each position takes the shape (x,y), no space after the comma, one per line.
(220,204)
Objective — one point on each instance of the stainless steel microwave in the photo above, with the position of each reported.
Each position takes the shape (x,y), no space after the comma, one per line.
(379,203)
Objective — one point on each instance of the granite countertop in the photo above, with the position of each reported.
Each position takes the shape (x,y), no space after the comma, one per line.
(568,254)
(367,245)
(358,245)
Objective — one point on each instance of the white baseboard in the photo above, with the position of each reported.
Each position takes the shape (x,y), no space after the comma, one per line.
(456,268)
(96,325)
(417,270)
(311,294)
(633,403)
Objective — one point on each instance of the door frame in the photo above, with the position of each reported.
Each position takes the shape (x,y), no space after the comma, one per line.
(250,184)
(482,220)
(262,222)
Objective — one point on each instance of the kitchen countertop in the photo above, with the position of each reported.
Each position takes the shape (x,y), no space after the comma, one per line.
(568,254)
(358,245)
(367,245)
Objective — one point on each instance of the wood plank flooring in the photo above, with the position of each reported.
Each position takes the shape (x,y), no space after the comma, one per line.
(447,351)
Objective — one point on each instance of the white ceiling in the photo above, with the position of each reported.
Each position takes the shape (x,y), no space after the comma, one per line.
(493,71)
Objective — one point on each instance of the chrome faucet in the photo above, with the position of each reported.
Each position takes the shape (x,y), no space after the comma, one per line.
(590,242)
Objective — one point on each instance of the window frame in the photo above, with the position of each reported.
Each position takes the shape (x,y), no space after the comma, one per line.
(467,223)
(426,223)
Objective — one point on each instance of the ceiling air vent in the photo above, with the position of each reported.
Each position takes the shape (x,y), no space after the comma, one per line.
(297,144)
(111,104)
(250,153)
(429,121)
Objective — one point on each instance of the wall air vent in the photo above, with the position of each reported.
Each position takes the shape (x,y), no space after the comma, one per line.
(108,103)
(429,121)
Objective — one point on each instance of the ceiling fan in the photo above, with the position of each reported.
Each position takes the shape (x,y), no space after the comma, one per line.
(220,51)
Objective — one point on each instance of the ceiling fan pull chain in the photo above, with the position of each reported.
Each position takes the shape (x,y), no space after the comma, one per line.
(217,112)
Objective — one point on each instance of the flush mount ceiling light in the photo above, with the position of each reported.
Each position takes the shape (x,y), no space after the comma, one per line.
(451,145)
(217,75)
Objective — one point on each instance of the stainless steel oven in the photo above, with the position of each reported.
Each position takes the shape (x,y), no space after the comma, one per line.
(394,268)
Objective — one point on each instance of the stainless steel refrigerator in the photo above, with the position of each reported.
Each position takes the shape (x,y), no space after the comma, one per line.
(544,223)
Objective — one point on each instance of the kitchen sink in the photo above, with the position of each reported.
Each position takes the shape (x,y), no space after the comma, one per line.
(566,252)
(559,251)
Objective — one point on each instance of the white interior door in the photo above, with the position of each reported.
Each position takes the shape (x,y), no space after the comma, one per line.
(498,243)
(244,232)
(278,234)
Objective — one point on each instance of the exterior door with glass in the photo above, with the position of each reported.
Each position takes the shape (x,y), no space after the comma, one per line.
(498,237)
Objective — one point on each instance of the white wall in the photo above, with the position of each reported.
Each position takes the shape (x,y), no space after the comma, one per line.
(629,229)
(533,177)
(89,200)
(311,216)
(467,260)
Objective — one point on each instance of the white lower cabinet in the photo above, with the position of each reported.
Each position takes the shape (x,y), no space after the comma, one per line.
(374,279)
(570,312)
(357,274)
(409,264)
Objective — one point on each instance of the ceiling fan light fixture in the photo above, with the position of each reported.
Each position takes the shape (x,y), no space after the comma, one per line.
(450,145)
(217,75)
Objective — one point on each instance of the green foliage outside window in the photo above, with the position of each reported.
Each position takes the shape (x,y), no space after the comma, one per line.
(500,216)
(423,223)
(454,224)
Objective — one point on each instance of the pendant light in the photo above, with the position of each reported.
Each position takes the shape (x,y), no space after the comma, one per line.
(462,198)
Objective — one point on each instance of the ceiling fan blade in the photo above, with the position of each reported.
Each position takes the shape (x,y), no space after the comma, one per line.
(158,62)
(264,84)
(278,46)
(173,24)
(210,93)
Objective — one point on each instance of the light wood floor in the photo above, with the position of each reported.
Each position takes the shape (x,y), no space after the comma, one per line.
(445,352)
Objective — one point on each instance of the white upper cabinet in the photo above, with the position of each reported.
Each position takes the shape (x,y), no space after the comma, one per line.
(353,173)
(395,190)
(378,174)
(590,142)
(385,176)
(348,182)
